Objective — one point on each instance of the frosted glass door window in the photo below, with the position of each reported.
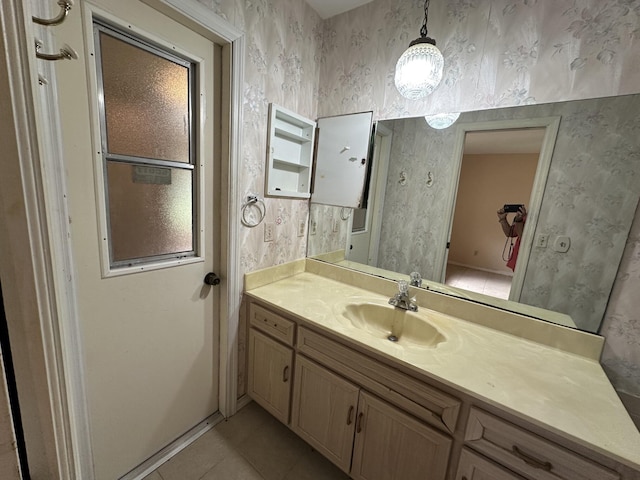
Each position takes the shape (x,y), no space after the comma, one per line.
(149,210)
(146,102)
(147,141)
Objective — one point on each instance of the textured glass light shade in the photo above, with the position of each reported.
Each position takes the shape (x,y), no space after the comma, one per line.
(440,121)
(419,69)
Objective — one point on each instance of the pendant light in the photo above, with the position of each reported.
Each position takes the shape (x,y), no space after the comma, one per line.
(441,121)
(419,69)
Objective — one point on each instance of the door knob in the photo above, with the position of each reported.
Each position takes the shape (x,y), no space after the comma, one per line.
(211,279)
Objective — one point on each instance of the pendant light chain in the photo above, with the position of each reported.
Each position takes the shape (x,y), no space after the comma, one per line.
(423,29)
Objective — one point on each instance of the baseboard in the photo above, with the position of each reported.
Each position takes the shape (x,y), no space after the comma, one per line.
(173,448)
(632,404)
(243,401)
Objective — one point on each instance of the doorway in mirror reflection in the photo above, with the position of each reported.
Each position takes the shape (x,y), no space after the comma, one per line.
(498,167)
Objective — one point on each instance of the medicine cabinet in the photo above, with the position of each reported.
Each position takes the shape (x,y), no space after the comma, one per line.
(289,153)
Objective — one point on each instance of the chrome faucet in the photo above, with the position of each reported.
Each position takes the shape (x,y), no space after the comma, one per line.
(402,300)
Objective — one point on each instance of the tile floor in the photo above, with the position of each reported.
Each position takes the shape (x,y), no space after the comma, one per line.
(488,283)
(251,445)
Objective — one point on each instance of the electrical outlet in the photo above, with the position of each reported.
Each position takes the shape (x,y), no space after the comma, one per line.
(542,239)
(335,226)
(301,227)
(562,244)
(269,231)
(313,227)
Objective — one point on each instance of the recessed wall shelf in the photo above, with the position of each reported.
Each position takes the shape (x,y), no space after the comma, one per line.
(289,153)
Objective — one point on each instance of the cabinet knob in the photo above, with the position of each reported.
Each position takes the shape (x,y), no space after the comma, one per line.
(350,415)
(531,461)
(285,374)
(359,422)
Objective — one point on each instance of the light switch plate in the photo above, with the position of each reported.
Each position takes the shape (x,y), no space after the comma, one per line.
(268,232)
(541,240)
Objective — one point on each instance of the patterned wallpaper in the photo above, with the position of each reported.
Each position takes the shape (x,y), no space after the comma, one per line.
(591,195)
(621,325)
(498,53)
(415,217)
(330,225)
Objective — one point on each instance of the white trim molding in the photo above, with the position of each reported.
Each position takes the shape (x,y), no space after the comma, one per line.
(35,266)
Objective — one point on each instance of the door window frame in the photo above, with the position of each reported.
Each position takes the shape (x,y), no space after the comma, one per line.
(154,44)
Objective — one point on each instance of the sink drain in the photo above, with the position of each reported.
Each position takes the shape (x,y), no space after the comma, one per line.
(392,338)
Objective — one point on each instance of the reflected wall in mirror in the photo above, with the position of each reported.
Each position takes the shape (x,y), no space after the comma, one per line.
(590,195)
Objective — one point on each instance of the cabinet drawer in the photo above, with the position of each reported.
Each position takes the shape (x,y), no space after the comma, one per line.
(272,324)
(475,467)
(527,453)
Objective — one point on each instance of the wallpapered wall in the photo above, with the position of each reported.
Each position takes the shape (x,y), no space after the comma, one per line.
(498,53)
(591,195)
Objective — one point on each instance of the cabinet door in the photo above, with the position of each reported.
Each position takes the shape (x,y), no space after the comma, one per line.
(476,467)
(270,369)
(324,411)
(390,445)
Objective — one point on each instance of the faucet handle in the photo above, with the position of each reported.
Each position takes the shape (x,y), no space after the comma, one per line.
(416,279)
(403,287)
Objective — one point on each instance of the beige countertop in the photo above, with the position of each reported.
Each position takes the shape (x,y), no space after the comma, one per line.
(563,392)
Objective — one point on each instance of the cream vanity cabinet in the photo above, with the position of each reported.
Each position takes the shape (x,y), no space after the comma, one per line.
(367,418)
(376,422)
(343,422)
(521,452)
(270,361)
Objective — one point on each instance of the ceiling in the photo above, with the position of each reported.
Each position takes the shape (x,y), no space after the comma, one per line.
(329,8)
(504,141)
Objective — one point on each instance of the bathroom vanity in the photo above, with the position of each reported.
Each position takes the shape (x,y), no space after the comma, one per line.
(455,391)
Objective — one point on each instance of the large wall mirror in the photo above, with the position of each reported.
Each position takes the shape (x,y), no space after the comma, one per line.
(434,197)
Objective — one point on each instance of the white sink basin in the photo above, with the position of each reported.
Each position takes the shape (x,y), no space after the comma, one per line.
(393,324)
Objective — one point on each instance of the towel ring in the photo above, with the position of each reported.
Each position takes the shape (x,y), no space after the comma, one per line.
(253,201)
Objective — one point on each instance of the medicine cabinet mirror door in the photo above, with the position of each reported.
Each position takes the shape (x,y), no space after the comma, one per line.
(343,160)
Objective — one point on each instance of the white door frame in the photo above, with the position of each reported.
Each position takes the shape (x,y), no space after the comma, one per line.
(42,305)
(385,137)
(550,124)
(377,189)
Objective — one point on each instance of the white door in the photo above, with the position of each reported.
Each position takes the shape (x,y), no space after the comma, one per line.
(139,112)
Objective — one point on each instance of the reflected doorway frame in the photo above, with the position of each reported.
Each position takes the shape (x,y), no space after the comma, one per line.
(551,125)
(383,137)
